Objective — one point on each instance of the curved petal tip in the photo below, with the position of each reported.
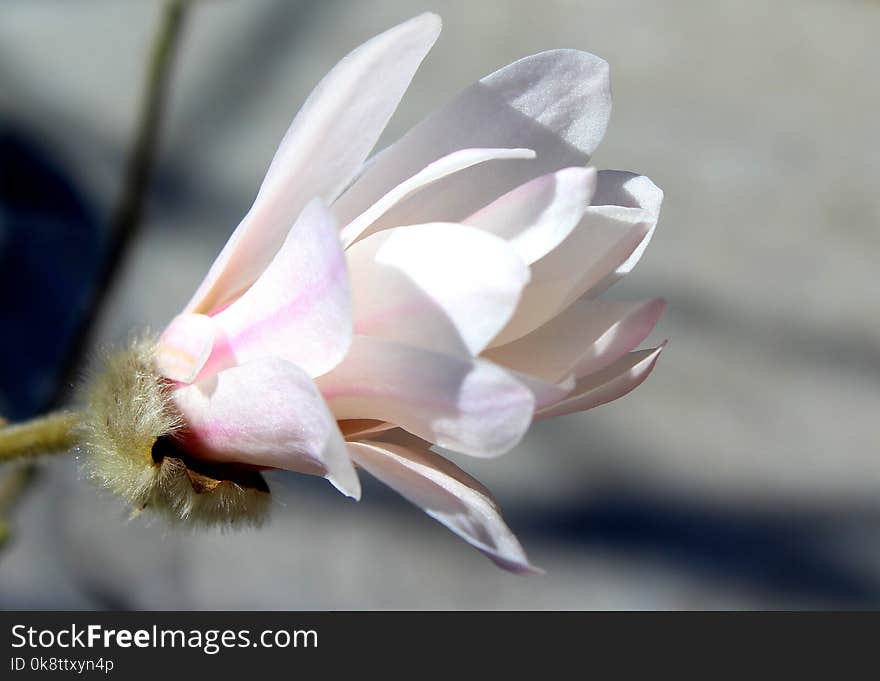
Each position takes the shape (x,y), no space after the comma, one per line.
(185,346)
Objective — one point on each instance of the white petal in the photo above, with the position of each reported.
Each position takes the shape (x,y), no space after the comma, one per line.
(447,494)
(613,382)
(634,322)
(557,103)
(585,338)
(546,393)
(621,188)
(443,287)
(537,216)
(470,406)
(266,413)
(300,307)
(322,151)
(361,225)
(596,248)
(185,346)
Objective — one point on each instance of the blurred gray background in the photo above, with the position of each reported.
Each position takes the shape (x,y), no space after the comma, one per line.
(744,473)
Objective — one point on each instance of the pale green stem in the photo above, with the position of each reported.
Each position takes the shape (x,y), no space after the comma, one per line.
(49,434)
(53,433)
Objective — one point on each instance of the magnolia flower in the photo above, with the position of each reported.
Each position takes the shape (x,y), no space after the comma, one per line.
(442,294)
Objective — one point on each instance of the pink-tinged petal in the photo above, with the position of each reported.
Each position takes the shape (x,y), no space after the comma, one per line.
(607,243)
(613,382)
(585,338)
(546,393)
(447,494)
(537,216)
(621,188)
(557,103)
(322,152)
(470,406)
(185,346)
(597,247)
(266,413)
(628,190)
(624,335)
(300,307)
(443,287)
(363,224)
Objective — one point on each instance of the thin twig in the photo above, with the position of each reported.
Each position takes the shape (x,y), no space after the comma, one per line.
(125,221)
(53,433)
(129,210)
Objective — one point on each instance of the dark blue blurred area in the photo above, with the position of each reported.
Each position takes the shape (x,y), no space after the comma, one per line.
(50,251)
(789,554)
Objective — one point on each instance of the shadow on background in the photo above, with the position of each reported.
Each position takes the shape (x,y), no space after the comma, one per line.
(50,252)
(785,554)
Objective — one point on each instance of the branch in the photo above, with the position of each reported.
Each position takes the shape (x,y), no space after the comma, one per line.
(130,208)
(43,435)
(54,432)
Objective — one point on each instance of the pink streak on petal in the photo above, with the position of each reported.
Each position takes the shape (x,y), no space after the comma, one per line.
(612,383)
(265,413)
(300,307)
